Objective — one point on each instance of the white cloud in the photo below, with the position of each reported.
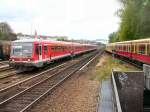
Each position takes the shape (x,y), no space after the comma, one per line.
(75,18)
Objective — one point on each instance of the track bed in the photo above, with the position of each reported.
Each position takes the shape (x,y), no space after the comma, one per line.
(28,95)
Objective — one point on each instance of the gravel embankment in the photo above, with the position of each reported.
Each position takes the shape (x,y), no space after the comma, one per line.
(78,94)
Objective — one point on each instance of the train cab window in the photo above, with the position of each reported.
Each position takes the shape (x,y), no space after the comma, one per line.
(142,49)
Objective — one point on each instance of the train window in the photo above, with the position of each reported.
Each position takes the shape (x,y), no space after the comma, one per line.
(136,46)
(53,48)
(148,49)
(129,48)
(142,49)
(124,48)
(45,48)
(119,47)
(132,48)
(62,48)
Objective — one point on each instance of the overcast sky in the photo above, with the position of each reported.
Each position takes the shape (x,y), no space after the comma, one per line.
(78,19)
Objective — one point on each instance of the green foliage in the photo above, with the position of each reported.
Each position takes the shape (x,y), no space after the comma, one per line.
(113,37)
(144,26)
(4,36)
(135,19)
(7,36)
(6,33)
(61,39)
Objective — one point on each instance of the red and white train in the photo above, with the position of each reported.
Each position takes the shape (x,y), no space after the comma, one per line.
(30,53)
(135,50)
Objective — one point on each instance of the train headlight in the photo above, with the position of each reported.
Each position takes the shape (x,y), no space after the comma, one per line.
(28,59)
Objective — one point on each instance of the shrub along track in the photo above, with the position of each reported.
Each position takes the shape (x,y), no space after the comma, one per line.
(32,90)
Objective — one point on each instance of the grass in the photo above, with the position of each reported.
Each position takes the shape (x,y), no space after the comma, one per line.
(103,69)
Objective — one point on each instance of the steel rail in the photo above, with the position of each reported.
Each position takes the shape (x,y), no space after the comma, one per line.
(20,86)
(48,91)
(4,68)
(75,68)
(3,63)
(8,74)
(54,86)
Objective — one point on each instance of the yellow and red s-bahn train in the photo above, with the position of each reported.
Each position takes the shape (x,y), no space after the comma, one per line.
(27,54)
(138,50)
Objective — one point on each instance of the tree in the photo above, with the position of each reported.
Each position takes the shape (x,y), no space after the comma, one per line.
(5,28)
(113,37)
(135,19)
(6,33)
(144,24)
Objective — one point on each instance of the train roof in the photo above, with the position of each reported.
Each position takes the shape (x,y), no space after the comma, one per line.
(52,42)
(138,40)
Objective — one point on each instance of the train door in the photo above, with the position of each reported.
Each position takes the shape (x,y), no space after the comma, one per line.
(40,51)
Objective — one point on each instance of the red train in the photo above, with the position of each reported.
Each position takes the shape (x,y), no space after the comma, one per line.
(30,53)
(135,50)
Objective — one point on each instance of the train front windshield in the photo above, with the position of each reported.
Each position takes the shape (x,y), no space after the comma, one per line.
(21,49)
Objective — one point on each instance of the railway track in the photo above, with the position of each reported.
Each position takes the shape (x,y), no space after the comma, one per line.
(4,63)
(7,72)
(27,94)
(5,67)
(9,79)
(30,80)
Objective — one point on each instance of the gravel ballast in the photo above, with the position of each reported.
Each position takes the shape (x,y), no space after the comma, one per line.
(77,94)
